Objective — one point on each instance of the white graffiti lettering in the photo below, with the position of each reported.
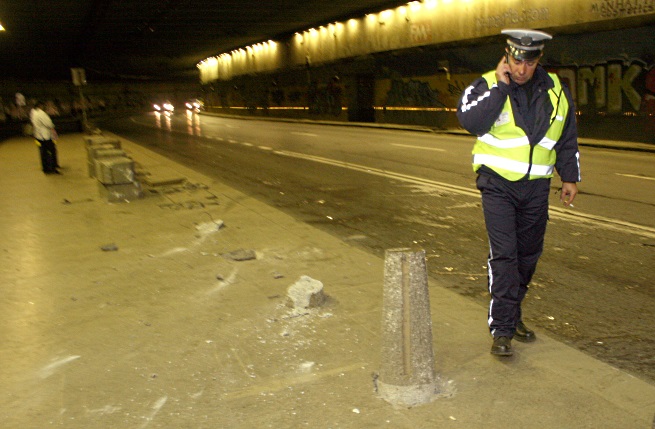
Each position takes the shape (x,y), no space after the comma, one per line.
(421,32)
(611,85)
(512,17)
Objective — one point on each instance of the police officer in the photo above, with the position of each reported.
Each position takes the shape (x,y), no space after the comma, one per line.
(524,119)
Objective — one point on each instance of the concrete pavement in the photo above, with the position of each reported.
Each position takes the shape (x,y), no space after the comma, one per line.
(167,331)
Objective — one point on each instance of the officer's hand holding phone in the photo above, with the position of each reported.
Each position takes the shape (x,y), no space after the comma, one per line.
(502,70)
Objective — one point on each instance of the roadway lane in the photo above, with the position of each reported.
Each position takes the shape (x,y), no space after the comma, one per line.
(594,287)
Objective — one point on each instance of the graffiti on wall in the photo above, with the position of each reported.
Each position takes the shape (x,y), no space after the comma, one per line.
(421,32)
(325,99)
(413,93)
(614,87)
(609,9)
(603,9)
(512,18)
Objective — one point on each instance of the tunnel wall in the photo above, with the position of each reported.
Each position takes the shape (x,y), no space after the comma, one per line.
(610,74)
(410,64)
(423,24)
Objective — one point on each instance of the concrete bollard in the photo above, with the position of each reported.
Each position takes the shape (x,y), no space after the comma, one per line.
(407,375)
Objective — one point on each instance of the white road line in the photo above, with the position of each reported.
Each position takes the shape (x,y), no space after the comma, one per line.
(556,212)
(390,174)
(418,147)
(297,133)
(247,144)
(265,148)
(634,176)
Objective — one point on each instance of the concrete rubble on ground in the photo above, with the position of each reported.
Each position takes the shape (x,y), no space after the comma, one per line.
(306,293)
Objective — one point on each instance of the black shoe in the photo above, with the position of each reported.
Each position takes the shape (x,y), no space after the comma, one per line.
(502,346)
(524,334)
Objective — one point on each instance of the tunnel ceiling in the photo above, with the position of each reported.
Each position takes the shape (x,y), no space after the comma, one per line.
(149,39)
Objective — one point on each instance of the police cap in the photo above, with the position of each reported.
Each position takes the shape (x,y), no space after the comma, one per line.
(525,44)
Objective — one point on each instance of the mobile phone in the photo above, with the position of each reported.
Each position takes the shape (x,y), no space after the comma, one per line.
(507,61)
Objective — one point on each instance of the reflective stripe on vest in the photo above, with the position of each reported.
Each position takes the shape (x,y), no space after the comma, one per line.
(506,148)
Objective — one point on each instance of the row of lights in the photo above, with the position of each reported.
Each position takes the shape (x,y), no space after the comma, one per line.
(383,16)
(251,50)
(414,6)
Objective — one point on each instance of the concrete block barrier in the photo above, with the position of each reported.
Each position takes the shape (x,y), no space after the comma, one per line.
(99,153)
(100,139)
(120,193)
(115,171)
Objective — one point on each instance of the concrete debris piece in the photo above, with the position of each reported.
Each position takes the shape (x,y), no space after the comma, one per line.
(208,227)
(241,255)
(66,201)
(277,275)
(109,247)
(306,366)
(305,293)
(155,181)
(193,186)
(121,193)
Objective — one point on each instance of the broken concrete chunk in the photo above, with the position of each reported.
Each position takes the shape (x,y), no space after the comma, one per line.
(306,293)
(241,255)
(109,247)
(209,227)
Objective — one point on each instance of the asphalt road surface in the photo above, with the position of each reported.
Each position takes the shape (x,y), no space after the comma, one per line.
(381,188)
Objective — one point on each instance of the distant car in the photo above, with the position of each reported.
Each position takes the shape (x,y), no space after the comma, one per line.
(164,107)
(195,105)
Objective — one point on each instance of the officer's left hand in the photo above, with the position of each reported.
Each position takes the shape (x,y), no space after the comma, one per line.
(569,191)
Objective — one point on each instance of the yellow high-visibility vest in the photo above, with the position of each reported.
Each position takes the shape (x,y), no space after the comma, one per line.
(506,149)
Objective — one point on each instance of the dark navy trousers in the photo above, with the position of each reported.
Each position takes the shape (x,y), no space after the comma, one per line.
(515,214)
(48,152)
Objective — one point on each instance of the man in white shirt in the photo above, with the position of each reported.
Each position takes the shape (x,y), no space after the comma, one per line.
(43,129)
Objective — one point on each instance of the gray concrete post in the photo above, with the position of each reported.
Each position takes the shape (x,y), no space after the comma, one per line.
(407,375)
